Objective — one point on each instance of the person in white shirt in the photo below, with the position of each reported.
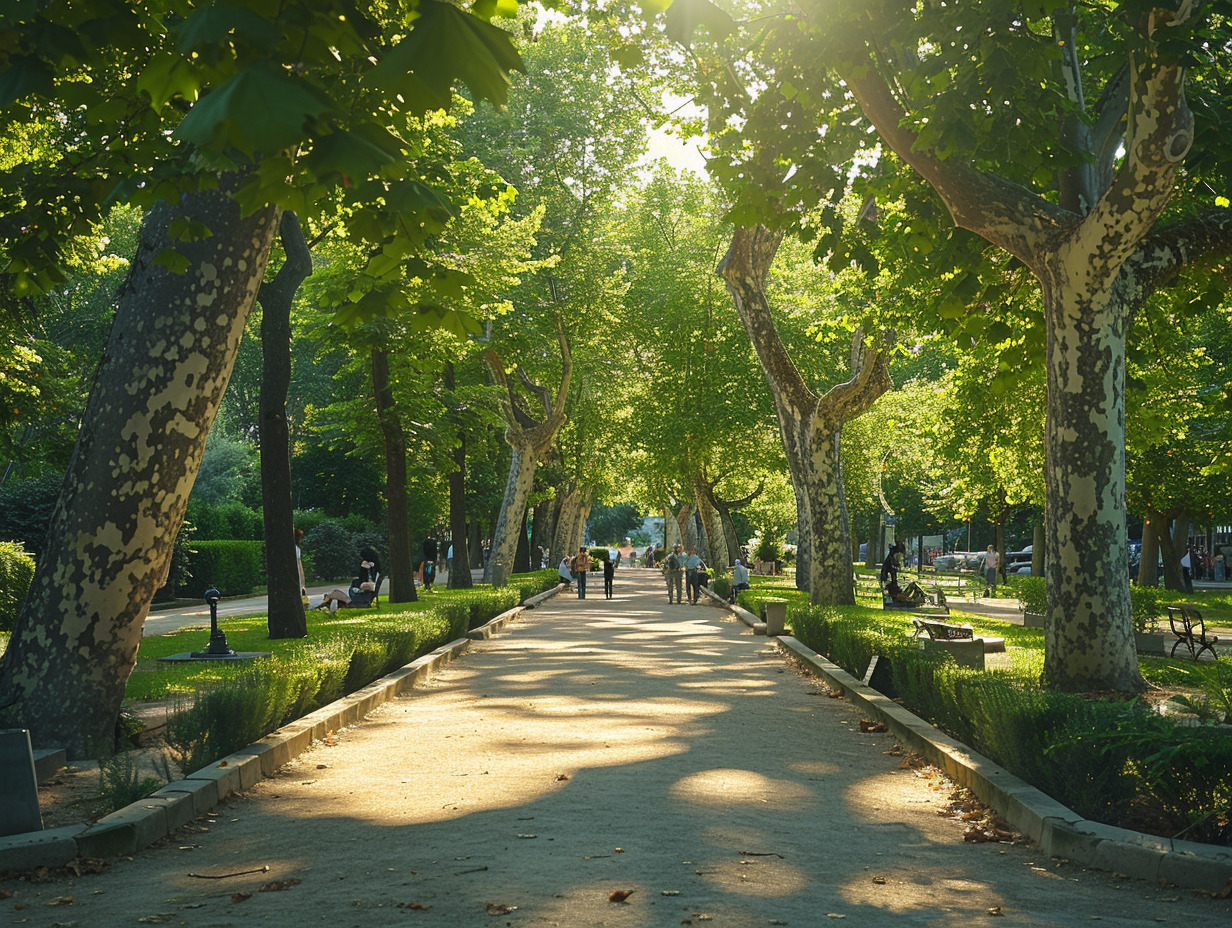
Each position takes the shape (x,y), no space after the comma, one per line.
(990,571)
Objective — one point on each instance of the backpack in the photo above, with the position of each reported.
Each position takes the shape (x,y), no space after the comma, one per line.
(673,563)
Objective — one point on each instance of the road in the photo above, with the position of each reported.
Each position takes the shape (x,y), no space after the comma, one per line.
(594,748)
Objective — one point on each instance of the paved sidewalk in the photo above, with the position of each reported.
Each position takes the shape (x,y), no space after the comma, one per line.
(594,747)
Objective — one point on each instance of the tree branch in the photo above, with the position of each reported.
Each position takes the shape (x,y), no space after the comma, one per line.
(1004,213)
(870,378)
(1109,129)
(1167,250)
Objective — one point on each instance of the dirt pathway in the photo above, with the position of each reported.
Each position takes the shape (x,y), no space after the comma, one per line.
(594,747)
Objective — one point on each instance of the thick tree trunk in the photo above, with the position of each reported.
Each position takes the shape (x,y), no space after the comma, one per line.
(1148,563)
(513,508)
(538,524)
(671,530)
(474,544)
(716,540)
(569,502)
(830,566)
(401,567)
(810,426)
(729,532)
(1089,635)
(286,605)
(158,387)
(1173,534)
(521,557)
(550,528)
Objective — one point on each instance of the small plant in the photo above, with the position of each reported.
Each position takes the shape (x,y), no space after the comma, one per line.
(768,549)
(1032,592)
(16,572)
(121,781)
(721,585)
(1145,611)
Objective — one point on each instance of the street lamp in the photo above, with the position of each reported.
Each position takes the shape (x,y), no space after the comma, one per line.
(218,646)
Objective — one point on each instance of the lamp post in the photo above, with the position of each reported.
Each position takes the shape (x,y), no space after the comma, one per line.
(218,646)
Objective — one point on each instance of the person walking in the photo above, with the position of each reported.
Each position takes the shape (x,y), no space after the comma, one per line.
(990,571)
(430,550)
(581,566)
(674,571)
(609,570)
(692,563)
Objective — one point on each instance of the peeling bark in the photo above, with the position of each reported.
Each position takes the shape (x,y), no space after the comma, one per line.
(158,387)
(530,441)
(811,426)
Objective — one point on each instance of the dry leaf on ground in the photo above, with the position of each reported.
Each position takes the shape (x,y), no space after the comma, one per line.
(499,908)
(278,885)
(620,895)
(240,897)
(870,726)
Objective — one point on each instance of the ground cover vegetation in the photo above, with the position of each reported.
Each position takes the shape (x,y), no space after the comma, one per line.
(480,325)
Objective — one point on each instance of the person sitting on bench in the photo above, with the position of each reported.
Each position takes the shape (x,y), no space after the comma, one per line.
(912,595)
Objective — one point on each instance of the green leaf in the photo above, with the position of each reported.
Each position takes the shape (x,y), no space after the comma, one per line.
(172,260)
(183,229)
(447,45)
(167,76)
(212,25)
(630,57)
(685,16)
(348,154)
(24,77)
(261,109)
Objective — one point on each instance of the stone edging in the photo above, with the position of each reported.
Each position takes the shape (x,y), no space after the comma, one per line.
(141,823)
(1058,830)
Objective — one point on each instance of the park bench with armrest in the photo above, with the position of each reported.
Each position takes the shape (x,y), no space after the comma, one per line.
(944,631)
(1190,630)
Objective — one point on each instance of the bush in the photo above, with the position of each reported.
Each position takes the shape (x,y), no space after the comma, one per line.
(262,696)
(26,507)
(378,544)
(768,549)
(234,568)
(1032,592)
(333,551)
(597,557)
(16,572)
(721,585)
(1145,608)
(1112,761)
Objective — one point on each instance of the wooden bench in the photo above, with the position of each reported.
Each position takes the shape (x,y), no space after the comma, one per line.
(944,631)
(934,599)
(1190,631)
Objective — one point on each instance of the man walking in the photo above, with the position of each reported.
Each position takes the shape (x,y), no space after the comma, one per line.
(692,563)
(675,574)
(581,567)
(990,571)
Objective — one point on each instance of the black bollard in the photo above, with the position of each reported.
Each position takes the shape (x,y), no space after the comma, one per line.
(218,646)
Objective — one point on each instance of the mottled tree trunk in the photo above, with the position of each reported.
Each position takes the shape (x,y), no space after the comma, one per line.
(513,508)
(671,530)
(1038,549)
(1173,533)
(1089,635)
(286,606)
(538,523)
(158,387)
(521,558)
(459,572)
(810,425)
(716,540)
(401,567)
(565,514)
(830,567)
(474,544)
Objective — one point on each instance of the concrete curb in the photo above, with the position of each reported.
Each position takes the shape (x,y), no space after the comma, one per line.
(1058,830)
(743,615)
(141,823)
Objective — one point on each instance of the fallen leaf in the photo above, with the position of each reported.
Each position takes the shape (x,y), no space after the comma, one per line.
(669,892)
(702,916)
(879,880)
(499,908)
(193,905)
(834,915)
(995,910)
(222,763)
(274,886)
(835,694)
(156,919)
(322,766)
(1227,889)
(528,836)
(417,906)
(62,900)
(561,777)
(620,895)
(240,897)
(6,894)
(869,726)
(619,850)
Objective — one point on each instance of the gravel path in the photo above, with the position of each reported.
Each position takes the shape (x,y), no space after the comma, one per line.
(597,747)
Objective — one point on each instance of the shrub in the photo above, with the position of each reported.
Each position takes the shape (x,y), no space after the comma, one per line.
(262,696)
(377,543)
(721,585)
(1145,608)
(235,568)
(16,572)
(1032,592)
(768,549)
(26,507)
(333,551)
(597,557)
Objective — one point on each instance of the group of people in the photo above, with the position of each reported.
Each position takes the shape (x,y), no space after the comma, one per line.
(576,568)
(912,594)
(684,572)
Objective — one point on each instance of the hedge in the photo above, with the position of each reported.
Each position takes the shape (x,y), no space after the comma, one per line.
(270,693)
(235,568)
(16,572)
(1113,761)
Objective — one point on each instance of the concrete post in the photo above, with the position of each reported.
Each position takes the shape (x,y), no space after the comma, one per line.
(19,812)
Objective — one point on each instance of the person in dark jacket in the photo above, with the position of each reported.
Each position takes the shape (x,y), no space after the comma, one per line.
(609,570)
(429,563)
